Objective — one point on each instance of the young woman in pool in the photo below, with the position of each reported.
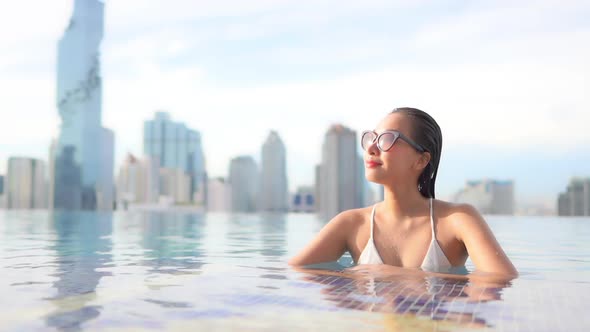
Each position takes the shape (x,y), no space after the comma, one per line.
(409,228)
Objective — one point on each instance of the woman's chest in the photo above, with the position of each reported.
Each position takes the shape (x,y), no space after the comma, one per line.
(407,246)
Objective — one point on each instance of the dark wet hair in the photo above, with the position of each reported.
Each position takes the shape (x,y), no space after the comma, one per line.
(427,133)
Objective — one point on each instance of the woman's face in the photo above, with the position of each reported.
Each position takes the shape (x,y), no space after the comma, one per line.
(401,163)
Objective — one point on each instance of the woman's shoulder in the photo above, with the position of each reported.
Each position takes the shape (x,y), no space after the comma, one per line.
(454,210)
(458,214)
(353,218)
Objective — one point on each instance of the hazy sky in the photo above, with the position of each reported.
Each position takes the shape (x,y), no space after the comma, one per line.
(508,81)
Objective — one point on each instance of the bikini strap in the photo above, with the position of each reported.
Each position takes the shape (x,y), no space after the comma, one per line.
(373,219)
(432,219)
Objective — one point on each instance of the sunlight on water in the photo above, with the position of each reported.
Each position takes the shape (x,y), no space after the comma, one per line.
(154,271)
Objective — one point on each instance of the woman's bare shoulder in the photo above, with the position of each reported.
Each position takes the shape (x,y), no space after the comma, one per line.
(353,218)
(460,216)
(471,229)
(456,212)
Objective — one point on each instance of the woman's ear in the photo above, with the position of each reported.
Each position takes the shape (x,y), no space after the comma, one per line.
(423,160)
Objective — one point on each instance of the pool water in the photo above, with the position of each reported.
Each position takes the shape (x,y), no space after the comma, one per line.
(183,271)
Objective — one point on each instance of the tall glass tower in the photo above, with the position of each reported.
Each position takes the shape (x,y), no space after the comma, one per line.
(83,175)
(176,146)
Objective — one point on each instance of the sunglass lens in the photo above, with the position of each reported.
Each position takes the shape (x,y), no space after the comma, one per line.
(386,141)
(367,140)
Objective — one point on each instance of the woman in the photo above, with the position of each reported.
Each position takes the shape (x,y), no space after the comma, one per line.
(409,228)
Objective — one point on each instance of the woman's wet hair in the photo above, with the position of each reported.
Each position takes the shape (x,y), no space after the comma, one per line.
(427,133)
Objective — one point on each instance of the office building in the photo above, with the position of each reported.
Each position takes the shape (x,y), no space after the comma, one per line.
(575,201)
(274,191)
(138,181)
(219,195)
(82,165)
(25,184)
(177,147)
(340,187)
(244,181)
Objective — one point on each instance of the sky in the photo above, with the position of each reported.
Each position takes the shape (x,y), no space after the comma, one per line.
(507,81)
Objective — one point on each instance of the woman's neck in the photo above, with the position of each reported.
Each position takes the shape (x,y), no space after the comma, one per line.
(404,202)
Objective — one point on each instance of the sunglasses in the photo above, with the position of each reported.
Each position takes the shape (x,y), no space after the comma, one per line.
(386,139)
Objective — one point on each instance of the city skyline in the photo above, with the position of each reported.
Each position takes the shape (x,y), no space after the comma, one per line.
(316,66)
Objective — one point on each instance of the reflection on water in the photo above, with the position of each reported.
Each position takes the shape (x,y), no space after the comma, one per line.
(264,234)
(273,233)
(435,298)
(146,271)
(82,247)
(172,241)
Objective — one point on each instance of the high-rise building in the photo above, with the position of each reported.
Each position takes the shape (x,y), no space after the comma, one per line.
(274,190)
(177,146)
(219,195)
(83,164)
(488,196)
(2,192)
(175,184)
(367,196)
(138,181)
(51,178)
(243,178)
(575,201)
(26,184)
(340,186)
(317,187)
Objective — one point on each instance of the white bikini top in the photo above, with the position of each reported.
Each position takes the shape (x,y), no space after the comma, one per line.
(434,261)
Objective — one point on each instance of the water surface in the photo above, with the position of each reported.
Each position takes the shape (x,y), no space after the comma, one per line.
(154,271)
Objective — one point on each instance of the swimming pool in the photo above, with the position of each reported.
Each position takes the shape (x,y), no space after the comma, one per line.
(176,271)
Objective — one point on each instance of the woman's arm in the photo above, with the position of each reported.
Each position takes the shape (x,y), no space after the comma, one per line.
(482,247)
(329,244)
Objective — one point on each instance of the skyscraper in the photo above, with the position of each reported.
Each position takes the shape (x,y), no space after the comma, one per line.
(575,201)
(363,186)
(176,146)
(83,165)
(274,190)
(243,178)
(51,184)
(26,184)
(339,173)
(2,196)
